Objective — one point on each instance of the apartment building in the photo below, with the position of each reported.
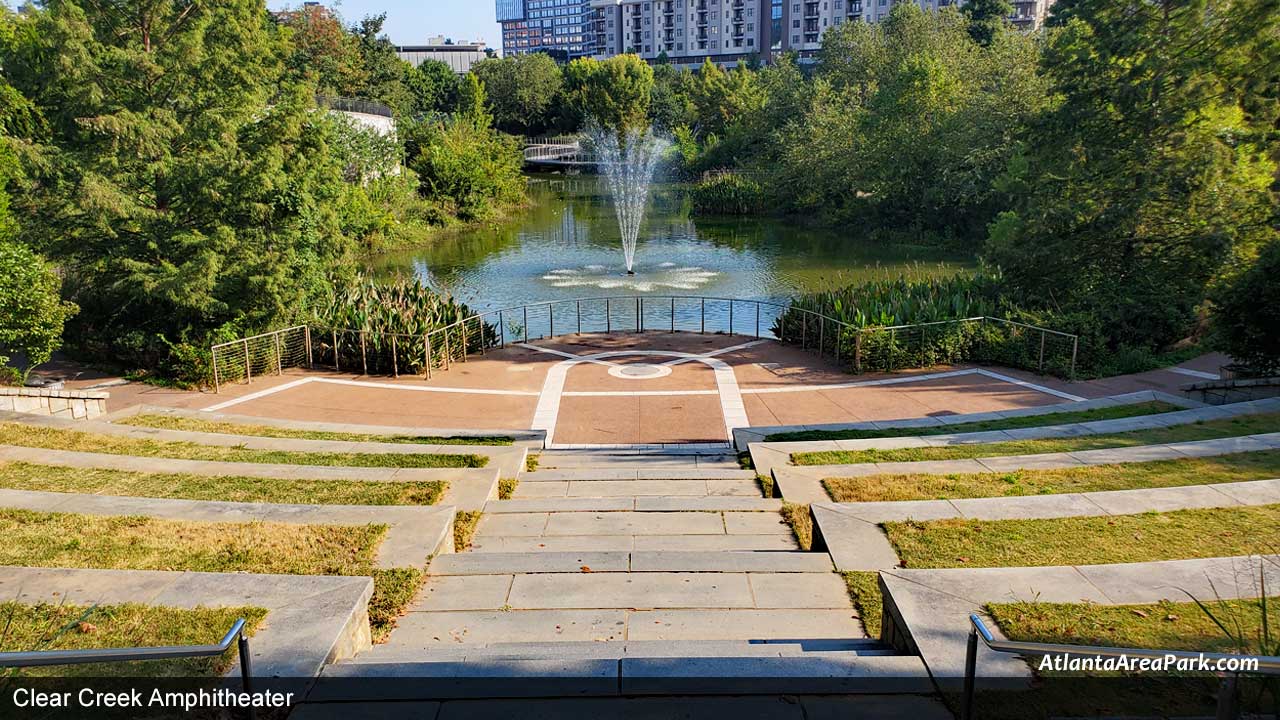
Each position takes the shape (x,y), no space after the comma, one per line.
(557,27)
(688,32)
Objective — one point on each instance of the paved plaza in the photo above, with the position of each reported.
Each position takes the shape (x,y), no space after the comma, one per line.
(651,388)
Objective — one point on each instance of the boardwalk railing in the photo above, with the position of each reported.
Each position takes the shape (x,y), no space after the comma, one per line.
(854,348)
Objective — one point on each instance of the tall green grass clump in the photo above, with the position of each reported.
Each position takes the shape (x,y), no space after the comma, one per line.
(897,323)
(376,311)
(728,194)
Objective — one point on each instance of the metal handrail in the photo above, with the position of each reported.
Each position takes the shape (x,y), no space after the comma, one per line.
(44,658)
(1267,665)
(259,336)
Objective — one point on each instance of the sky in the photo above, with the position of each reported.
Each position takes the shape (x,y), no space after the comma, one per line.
(410,22)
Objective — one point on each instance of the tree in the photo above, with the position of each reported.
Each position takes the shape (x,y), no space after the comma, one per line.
(986,18)
(324,52)
(722,97)
(383,68)
(669,103)
(186,191)
(615,92)
(1246,312)
(522,90)
(434,86)
(1151,169)
(32,311)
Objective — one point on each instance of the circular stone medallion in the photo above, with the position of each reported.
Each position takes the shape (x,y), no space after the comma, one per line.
(641,371)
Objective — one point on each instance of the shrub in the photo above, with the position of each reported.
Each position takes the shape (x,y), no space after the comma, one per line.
(1246,313)
(32,311)
(728,194)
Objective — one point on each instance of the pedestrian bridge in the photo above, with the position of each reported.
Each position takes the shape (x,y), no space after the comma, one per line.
(559,152)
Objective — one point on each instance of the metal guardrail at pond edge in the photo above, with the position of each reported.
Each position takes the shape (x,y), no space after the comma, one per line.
(1227,709)
(440,348)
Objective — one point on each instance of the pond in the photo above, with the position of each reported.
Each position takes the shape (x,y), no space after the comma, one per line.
(567,245)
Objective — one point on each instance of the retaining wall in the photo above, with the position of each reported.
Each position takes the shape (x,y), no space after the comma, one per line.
(77,405)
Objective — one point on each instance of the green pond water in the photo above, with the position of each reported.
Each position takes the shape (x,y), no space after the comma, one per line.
(567,246)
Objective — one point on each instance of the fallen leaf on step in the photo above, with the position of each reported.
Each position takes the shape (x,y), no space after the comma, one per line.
(585,568)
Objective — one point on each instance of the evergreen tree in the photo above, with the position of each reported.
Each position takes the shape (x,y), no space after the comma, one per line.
(1151,170)
(986,18)
(182,190)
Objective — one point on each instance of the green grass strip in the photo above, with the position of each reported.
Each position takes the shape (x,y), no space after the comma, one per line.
(1206,430)
(1262,465)
(1177,535)
(57,439)
(1165,625)
(47,626)
(39,539)
(47,478)
(1062,418)
(168,422)
(864,590)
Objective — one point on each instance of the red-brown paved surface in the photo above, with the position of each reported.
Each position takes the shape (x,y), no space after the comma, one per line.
(515,378)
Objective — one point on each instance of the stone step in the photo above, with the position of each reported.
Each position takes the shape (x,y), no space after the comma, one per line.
(427,632)
(617,650)
(635,503)
(646,471)
(632,591)
(829,673)
(586,543)
(621,562)
(758,707)
(639,488)
(551,524)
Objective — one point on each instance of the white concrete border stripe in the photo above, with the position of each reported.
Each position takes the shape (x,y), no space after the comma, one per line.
(259,394)
(1194,373)
(424,388)
(863,383)
(1031,386)
(714,353)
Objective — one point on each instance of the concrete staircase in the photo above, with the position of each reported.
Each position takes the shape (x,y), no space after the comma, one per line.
(622,572)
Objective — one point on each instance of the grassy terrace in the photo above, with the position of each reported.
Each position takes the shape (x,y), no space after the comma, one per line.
(25,476)
(1062,418)
(55,439)
(1177,535)
(1165,625)
(1261,465)
(1230,427)
(37,539)
(44,626)
(167,422)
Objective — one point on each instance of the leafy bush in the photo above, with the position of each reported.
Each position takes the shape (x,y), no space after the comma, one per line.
(32,311)
(1246,313)
(402,307)
(729,194)
(466,166)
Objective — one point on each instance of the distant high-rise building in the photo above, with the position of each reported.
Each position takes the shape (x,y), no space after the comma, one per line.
(557,27)
(688,32)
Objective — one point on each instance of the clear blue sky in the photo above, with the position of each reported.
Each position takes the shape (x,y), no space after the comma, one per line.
(410,22)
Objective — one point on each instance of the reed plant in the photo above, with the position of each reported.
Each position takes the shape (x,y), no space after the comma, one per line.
(382,326)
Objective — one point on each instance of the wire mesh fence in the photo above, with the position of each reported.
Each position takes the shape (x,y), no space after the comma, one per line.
(266,354)
(874,349)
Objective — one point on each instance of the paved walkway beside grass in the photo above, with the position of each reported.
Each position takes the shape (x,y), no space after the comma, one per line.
(855,540)
(931,607)
(414,534)
(803,484)
(311,620)
(469,488)
(508,459)
(766,456)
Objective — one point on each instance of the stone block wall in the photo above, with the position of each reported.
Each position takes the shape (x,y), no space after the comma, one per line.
(74,404)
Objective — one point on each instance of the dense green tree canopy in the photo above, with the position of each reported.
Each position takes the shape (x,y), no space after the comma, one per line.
(1247,312)
(180,188)
(32,311)
(1151,169)
(615,92)
(434,87)
(522,90)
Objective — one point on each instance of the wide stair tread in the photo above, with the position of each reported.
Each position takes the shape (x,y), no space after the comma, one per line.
(498,563)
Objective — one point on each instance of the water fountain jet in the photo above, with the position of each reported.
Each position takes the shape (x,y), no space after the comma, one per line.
(628,158)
